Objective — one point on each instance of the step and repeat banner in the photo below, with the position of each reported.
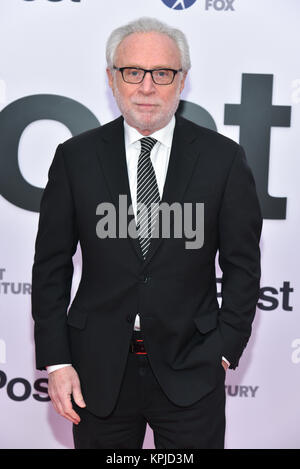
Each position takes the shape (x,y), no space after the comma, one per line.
(244,83)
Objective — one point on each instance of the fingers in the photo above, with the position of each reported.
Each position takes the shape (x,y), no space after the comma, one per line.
(63,383)
(63,406)
(77,396)
(68,411)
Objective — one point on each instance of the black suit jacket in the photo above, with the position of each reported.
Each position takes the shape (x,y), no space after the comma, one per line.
(173,290)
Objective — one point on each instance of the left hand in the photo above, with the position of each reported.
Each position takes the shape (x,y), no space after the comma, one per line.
(225,365)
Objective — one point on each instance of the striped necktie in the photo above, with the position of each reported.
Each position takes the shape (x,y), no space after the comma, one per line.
(147,195)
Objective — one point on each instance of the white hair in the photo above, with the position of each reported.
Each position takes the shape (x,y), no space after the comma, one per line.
(146,25)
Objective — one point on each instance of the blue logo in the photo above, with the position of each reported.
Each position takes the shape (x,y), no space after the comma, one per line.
(179,4)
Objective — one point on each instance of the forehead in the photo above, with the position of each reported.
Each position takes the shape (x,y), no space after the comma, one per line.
(148,50)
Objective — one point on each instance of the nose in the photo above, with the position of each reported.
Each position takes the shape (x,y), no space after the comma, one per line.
(147,86)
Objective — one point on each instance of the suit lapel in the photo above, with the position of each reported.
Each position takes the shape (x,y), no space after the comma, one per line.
(183,157)
(112,159)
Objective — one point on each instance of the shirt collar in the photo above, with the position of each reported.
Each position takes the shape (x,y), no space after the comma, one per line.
(164,135)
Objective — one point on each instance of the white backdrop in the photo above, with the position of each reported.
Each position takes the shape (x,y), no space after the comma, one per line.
(58,48)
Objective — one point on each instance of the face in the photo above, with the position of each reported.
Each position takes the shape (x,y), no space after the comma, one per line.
(146,106)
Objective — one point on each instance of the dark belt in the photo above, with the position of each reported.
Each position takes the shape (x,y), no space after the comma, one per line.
(137,345)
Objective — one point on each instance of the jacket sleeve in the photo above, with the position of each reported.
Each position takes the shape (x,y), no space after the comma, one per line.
(240,225)
(52,270)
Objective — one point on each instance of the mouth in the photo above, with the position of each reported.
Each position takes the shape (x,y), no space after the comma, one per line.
(146,106)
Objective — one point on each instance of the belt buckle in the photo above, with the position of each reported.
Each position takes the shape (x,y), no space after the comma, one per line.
(141,347)
(137,347)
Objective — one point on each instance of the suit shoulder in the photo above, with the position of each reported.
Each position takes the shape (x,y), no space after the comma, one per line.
(209,137)
(89,138)
(81,139)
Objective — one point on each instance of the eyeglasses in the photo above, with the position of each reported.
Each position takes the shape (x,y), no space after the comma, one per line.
(160,76)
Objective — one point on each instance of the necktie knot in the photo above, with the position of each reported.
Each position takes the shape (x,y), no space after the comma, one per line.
(147,143)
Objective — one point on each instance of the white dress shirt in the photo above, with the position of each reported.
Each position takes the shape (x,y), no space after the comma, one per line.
(159,156)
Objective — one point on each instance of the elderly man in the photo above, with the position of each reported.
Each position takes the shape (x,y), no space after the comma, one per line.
(144,339)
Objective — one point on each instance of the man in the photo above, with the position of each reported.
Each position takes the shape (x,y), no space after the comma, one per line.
(144,339)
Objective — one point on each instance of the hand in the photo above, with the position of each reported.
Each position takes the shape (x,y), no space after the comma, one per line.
(225,365)
(61,384)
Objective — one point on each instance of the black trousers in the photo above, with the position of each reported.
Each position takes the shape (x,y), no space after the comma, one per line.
(141,401)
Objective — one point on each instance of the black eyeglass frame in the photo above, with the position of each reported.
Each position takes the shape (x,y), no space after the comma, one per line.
(121,69)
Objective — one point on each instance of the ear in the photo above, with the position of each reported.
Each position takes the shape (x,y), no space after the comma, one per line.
(110,77)
(183,81)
